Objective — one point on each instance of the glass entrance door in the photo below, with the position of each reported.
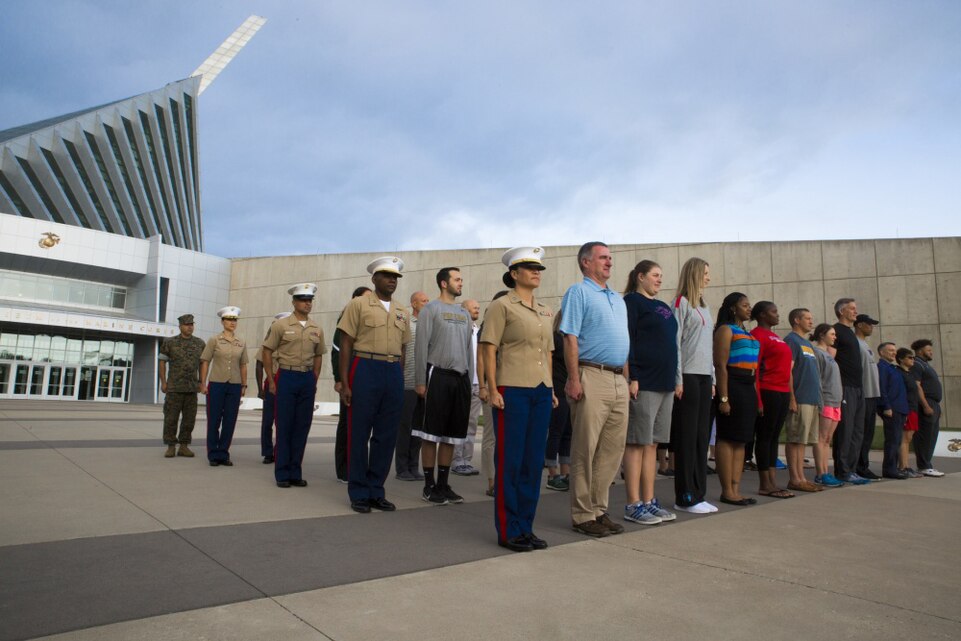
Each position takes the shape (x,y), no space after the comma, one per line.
(6,370)
(111,384)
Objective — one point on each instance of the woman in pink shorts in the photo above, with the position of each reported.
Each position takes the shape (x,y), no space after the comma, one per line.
(831,393)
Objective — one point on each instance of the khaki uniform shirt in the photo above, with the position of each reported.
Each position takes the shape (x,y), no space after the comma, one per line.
(294,345)
(373,328)
(225,356)
(183,357)
(259,358)
(524,339)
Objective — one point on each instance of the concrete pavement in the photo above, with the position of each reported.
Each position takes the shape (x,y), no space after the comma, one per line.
(103,538)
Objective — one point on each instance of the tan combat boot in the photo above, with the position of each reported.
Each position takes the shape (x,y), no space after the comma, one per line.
(185,451)
(171,450)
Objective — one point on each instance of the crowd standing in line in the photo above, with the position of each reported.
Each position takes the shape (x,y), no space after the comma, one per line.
(598,386)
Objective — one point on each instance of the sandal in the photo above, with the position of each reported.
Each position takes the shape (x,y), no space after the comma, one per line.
(724,499)
(778,494)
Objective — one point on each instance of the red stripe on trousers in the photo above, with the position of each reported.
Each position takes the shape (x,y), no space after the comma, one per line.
(499,474)
(350,410)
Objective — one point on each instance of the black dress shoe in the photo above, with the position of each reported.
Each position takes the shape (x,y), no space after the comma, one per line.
(899,476)
(869,475)
(381,504)
(517,544)
(283,483)
(214,463)
(228,463)
(298,482)
(536,542)
(360,505)
(268,460)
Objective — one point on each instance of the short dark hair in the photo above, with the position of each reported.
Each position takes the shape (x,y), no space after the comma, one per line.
(902,353)
(884,344)
(443,276)
(761,307)
(921,343)
(841,304)
(795,316)
(360,291)
(586,250)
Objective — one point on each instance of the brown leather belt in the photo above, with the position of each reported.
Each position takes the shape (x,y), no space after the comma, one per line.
(294,368)
(389,358)
(604,368)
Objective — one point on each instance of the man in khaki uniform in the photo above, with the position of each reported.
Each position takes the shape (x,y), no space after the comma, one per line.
(181,386)
(375,331)
(297,345)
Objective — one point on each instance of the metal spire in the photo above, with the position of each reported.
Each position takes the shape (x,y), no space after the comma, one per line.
(220,58)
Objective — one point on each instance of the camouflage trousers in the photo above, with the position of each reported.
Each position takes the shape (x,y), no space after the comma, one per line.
(182,406)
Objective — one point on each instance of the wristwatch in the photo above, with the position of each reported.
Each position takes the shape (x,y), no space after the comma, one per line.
(724,399)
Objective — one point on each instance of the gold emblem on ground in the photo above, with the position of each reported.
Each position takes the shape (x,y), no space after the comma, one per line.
(48,239)
(954,445)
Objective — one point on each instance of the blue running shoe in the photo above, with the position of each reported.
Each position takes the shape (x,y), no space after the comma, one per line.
(828,480)
(779,465)
(854,479)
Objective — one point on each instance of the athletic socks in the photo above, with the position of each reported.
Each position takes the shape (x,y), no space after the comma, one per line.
(443,473)
(429,476)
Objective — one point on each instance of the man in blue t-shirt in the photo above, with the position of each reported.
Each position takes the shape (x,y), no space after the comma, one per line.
(596,344)
(802,419)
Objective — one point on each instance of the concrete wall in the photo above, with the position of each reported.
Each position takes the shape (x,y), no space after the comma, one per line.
(912,286)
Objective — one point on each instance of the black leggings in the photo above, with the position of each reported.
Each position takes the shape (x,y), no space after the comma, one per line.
(768,427)
(690,435)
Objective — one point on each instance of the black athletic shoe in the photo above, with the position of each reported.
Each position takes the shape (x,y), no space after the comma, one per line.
(536,542)
(451,496)
(434,495)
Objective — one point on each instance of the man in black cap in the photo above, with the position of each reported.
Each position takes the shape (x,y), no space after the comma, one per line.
(863,328)
(181,386)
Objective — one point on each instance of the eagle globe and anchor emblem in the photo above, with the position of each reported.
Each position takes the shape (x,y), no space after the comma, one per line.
(48,239)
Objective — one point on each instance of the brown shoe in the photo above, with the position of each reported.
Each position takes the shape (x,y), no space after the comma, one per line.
(592,528)
(804,486)
(612,527)
(171,451)
(185,451)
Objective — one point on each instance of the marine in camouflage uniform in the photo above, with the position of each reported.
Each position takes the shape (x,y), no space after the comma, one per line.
(180,382)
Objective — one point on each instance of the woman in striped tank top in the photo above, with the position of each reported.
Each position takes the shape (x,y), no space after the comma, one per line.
(735,363)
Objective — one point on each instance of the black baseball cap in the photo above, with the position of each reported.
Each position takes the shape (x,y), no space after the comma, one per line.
(864,318)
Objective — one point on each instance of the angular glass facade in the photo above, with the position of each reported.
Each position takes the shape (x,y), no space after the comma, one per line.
(68,169)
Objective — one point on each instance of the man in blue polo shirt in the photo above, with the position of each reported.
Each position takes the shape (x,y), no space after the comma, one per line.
(596,345)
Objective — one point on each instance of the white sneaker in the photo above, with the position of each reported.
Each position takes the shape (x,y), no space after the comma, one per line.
(932,472)
(699,508)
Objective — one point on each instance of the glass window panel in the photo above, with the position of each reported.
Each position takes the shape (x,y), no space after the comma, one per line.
(36,381)
(60,291)
(8,339)
(103,383)
(4,377)
(58,342)
(91,352)
(20,379)
(9,285)
(76,293)
(43,290)
(119,299)
(24,348)
(106,353)
(41,348)
(116,385)
(69,381)
(91,294)
(53,382)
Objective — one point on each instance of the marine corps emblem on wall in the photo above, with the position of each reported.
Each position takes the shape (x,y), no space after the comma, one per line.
(48,239)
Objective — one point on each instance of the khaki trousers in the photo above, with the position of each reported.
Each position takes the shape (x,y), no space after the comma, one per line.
(599,431)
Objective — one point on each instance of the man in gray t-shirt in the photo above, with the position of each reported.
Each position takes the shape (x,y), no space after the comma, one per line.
(863,328)
(444,367)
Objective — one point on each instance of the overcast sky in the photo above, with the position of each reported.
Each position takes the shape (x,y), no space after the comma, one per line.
(399,125)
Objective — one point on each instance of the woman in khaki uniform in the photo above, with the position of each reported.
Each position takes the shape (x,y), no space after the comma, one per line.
(518,330)
(224,363)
